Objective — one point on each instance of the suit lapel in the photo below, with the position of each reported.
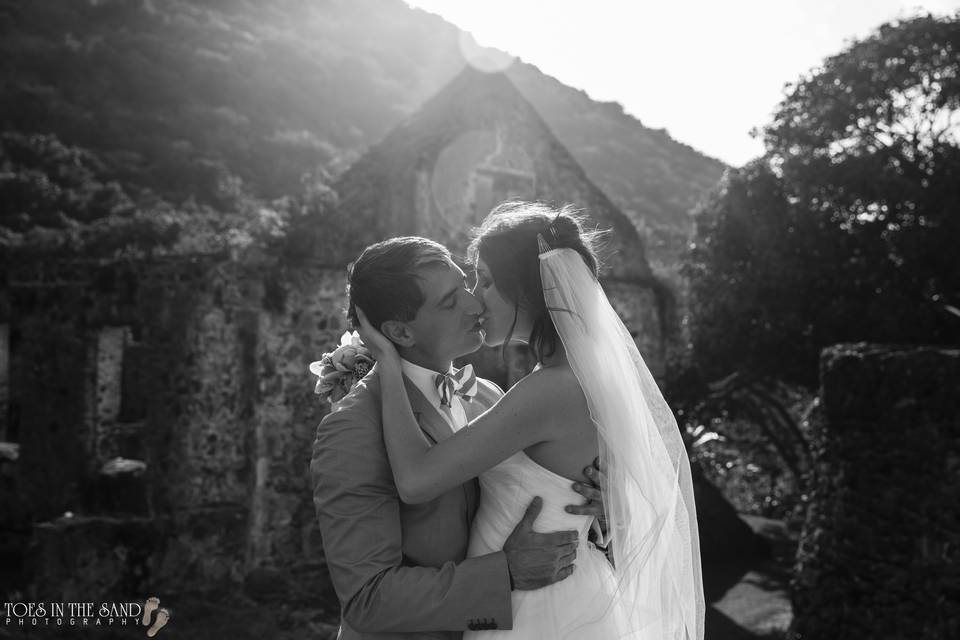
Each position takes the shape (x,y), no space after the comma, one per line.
(473,408)
(428,416)
(437,428)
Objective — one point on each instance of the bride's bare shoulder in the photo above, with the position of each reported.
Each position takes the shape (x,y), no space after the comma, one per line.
(555,395)
(557,384)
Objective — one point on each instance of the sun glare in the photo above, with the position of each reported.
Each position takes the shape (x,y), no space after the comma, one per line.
(707,72)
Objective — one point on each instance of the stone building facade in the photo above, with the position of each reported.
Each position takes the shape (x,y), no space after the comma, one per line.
(478,143)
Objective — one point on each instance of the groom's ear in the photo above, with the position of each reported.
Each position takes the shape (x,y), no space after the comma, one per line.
(398,332)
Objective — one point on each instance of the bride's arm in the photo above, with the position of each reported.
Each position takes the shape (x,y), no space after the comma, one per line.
(526,415)
(529,413)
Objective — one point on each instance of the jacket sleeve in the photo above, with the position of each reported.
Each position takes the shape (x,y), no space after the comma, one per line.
(359,515)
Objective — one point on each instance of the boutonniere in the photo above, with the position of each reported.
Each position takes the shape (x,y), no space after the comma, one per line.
(338,371)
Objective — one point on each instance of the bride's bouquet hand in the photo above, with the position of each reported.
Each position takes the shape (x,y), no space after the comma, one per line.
(383,350)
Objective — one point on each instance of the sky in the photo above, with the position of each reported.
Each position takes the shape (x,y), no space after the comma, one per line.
(707,71)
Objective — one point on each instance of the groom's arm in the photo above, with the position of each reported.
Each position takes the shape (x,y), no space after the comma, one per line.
(359,514)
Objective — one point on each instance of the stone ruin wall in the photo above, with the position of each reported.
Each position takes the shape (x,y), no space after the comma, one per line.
(878,557)
(198,367)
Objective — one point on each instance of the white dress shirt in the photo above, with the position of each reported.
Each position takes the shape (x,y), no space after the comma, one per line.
(425,381)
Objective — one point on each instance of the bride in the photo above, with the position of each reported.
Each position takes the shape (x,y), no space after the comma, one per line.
(591,394)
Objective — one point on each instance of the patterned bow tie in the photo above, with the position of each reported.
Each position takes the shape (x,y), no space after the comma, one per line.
(462,383)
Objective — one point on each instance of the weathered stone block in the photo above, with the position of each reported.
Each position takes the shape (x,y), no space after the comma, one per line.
(120,488)
(204,550)
(79,559)
(82,558)
(878,557)
(893,386)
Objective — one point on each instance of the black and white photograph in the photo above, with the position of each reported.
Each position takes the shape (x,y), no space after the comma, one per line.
(460,320)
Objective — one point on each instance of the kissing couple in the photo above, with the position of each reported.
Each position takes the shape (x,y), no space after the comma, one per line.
(415,545)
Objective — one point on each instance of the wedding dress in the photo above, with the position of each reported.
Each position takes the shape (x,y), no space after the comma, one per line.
(653,589)
(581,606)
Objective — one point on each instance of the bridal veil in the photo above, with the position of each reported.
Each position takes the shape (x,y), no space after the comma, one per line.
(648,490)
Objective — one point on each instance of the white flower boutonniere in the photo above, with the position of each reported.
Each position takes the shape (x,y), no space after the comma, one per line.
(338,371)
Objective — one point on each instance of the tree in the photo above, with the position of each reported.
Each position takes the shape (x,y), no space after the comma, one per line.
(847,228)
(58,201)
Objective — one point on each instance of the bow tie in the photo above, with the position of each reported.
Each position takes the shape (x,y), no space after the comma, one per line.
(462,383)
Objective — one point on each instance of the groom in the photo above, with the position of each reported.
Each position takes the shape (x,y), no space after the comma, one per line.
(399,570)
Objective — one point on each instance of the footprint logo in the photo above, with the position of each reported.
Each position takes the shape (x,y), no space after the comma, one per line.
(163,616)
(148,608)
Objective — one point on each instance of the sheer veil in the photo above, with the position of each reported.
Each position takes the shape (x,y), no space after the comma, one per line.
(648,490)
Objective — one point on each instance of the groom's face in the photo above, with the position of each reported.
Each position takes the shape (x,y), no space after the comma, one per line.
(447,324)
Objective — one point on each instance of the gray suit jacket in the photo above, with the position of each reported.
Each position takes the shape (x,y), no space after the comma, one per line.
(399,570)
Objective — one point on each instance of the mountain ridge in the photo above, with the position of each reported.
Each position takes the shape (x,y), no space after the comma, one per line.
(199,103)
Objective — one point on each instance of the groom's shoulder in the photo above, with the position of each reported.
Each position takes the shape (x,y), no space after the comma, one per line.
(348,447)
(361,405)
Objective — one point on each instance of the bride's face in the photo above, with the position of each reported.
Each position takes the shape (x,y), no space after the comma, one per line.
(498,311)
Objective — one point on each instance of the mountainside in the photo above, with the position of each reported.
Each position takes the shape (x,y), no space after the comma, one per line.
(645,171)
(199,104)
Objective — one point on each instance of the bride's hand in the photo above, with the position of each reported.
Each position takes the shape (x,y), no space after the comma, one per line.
(380,346)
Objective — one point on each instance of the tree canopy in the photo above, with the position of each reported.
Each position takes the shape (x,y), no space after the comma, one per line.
(847,228)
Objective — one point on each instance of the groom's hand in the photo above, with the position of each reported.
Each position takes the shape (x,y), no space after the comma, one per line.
(538,559)
(591,491)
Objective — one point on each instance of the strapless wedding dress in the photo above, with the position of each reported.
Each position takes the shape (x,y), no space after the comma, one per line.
(584,605)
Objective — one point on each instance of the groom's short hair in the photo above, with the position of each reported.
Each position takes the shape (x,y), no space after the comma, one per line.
(383,280)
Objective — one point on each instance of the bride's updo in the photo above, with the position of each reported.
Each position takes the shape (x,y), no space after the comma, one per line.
(507,242)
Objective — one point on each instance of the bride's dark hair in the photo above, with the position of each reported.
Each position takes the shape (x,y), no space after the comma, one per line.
(507,242)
